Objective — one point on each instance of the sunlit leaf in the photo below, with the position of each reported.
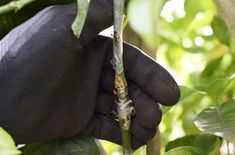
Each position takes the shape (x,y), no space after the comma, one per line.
(218,121)
(186,92)
(9,151)
(231,68)
(220,30)
(188,125)
(210,68)
(7,145)
(168,36)
(186,150)
(201,20)
(174,52)
(140,151)
(217,52)
(166,109)
(217,88)
(5,139)
(110,147)
(71,146)
(190,100)
(195,7)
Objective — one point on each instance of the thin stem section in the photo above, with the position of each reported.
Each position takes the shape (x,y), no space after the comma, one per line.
(82,9)
(14,5)
(124,107)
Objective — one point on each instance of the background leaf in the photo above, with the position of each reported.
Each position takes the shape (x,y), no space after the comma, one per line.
(217,88)
(218,121)
(208,143)
(183,141)
(186,150)
(221,31)
(69,146)
(7,145)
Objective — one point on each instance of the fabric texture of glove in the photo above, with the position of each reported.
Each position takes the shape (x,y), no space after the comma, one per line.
(53,85)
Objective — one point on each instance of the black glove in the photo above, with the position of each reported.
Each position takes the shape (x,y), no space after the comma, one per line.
(53,85)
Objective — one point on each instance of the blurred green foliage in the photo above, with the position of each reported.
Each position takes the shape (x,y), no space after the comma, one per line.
(197,48)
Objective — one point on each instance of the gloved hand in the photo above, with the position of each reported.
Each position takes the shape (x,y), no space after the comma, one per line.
(53,85)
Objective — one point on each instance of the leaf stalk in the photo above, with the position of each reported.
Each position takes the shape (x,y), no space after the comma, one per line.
(82,9)
(14,5)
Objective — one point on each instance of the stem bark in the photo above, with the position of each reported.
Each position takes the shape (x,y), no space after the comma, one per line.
(226,8)
(124,108)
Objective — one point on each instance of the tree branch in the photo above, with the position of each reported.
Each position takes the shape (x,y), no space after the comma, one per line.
(124,108)
(14,5)
(226,9)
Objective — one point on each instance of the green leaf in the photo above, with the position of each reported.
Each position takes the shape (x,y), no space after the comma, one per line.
(208,143)
(6,140)
(192,9)
(68,146)
(216,53)
(205,19)
(82,9)
(183,141)
(209,70)
(9,151)
(217,88)
(7,145)
(220,30)
(190,98)
(110,147)
(186,150)
(166,109)
(218,121)
(186,92)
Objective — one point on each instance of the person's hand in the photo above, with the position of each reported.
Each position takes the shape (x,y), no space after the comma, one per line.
(53,85)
